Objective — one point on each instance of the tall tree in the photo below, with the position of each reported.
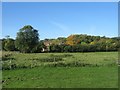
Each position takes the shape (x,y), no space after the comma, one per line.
(27,39)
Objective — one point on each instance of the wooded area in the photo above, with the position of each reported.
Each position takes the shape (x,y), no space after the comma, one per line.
(28,41)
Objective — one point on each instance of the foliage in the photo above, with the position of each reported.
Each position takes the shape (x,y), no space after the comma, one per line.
(86,43)
(27,39)
(8,44)
(70,40)
(39,47)
(55,48)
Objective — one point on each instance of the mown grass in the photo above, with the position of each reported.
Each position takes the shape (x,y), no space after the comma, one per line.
(60,70)
(61,77)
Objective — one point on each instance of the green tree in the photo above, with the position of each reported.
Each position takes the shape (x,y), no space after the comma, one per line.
(27,39)
(3,44)
(68,48)
(55,48)
(9,44)
(40,47)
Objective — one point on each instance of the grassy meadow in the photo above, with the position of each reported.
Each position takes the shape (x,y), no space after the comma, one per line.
(60,70)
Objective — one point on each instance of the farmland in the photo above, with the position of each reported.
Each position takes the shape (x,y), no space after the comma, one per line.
(60,70)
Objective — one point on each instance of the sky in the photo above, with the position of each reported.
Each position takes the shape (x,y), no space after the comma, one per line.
(61,19)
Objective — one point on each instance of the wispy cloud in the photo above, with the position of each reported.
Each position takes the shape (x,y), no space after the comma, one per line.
(59,25)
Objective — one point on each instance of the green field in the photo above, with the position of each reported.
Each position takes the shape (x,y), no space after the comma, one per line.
(60,70)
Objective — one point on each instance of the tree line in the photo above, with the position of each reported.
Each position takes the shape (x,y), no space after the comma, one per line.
(28,41)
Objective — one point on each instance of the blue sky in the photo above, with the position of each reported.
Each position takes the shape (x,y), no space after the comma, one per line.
(54,20)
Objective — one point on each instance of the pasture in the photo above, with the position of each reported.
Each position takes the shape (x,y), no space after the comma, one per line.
(60,70)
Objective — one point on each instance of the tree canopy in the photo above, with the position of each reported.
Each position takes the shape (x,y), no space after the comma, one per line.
(27,39)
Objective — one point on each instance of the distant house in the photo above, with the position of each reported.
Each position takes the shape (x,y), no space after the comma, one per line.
(47,44)
(44,49)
